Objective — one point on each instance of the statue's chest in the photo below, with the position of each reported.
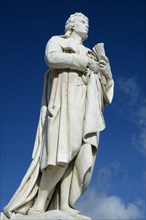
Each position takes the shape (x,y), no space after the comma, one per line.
(70,46)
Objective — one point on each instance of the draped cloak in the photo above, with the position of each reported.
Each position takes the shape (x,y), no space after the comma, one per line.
(69,125)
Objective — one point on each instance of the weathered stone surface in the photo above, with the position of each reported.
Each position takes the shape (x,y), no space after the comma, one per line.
(50,215)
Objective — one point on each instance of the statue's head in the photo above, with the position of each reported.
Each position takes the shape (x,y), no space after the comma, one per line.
(79,23)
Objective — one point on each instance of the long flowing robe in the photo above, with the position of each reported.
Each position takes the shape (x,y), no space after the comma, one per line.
(69,125)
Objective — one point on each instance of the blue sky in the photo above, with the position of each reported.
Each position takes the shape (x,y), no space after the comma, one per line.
(119,175)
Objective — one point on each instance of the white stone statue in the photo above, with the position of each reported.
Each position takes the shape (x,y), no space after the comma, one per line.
(77,87)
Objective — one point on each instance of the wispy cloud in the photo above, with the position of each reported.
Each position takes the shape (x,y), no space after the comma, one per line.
(131,102)
(99,205)
(104,176)
(144,175)
(129,90)
(139,140)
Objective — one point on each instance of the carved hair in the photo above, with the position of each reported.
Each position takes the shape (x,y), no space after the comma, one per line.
(71,20)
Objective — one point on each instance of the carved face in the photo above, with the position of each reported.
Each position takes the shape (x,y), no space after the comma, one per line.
(81,26)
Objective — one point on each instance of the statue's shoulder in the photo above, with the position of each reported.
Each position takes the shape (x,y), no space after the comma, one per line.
(58,38)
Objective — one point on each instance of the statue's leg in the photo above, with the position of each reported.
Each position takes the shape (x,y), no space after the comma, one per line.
(65,191)
(50,177)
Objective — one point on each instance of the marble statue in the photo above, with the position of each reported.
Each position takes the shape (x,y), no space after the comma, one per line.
(77,87)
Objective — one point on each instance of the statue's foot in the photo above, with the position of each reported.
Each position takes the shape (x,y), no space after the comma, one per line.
(81,217)
(3,216)
(68,210)
(74,213)
(33,211)
(16,215)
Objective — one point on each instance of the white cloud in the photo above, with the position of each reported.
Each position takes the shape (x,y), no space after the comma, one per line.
(108,207)
(97,204)
(131,102)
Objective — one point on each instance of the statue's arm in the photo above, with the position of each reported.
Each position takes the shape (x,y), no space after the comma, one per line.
(106,79)
(57,59)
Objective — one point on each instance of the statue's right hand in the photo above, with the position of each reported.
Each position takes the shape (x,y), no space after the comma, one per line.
(93,65)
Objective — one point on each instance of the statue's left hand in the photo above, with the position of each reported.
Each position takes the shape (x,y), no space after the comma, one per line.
(105,68)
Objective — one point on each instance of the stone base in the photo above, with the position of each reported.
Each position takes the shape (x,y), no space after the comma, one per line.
(50,215)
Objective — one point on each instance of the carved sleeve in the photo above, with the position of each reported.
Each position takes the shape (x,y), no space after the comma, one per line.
(108,91)
(56,58)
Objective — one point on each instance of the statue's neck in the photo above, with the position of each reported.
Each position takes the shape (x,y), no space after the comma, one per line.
(76,37)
